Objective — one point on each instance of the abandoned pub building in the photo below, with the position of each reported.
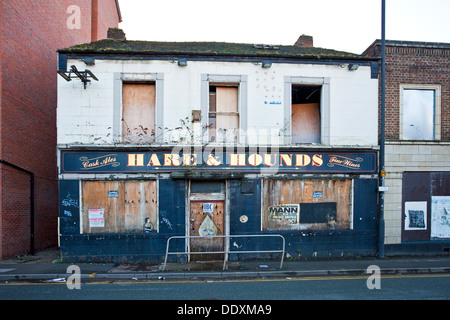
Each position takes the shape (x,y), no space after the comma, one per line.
(161,139)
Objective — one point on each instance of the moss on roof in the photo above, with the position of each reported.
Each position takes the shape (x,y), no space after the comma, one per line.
(215,49)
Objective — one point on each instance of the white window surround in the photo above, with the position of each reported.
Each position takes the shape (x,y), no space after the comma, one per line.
(324,106)
(437,106)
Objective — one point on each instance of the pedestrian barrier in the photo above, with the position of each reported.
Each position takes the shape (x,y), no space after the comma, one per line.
(226,251)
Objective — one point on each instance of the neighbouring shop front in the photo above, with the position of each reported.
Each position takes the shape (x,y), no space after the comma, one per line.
(123,205)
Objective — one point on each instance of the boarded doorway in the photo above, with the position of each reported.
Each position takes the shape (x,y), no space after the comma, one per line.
(206,218)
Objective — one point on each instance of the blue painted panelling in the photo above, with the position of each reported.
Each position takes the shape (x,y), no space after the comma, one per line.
(365,204)
(69,207)
(62,62)
(245,200)
(172,206)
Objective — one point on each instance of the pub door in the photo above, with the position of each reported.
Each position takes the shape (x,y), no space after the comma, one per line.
(206,218)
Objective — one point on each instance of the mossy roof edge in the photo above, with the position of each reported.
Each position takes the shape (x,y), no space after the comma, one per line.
(134,47)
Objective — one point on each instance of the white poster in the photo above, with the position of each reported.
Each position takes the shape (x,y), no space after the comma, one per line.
(285,212)
(416,215)
(96,218)
(440,217)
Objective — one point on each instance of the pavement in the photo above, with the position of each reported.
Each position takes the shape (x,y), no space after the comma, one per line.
(46,266)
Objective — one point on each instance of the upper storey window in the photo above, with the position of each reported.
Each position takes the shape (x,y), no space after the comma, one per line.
(420,113)
(305,115)
(223,114)
(138,114)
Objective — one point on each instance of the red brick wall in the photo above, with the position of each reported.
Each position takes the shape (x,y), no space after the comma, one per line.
(30,34)
(16,211)
(415,65)
(107,16)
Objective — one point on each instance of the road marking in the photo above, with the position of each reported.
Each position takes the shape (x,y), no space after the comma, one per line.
(6,270)
(154,281)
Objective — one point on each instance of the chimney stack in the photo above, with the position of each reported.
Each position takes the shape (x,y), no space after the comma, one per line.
(304,41)
(116,34)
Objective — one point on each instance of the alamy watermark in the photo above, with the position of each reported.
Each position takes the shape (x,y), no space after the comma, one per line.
(74,20)
(74,280)
(374,280)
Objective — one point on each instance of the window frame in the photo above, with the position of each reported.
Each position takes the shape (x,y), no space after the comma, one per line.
(239,81)
(121,78)
(324,106)
(85,228)
(130,136)
(321,188)
(436,109)
(217,114)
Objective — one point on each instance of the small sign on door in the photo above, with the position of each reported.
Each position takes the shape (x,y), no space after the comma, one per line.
(208,207)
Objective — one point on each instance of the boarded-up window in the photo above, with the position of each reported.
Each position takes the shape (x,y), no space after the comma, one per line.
(307,204)
(223,114)
(305,117)
(138,117)
(119,206)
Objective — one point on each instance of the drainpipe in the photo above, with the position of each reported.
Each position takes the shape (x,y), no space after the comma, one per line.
(31,201)
(381,223)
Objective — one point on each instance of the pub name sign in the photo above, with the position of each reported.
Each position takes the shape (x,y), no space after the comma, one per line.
(168,161)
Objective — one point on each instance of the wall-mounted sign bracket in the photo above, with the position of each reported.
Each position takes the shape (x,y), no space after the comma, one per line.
(73,73)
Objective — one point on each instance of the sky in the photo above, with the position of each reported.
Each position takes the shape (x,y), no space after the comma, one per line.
(346,25)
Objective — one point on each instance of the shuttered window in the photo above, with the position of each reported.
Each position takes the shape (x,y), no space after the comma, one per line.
(119,206)
(307,204)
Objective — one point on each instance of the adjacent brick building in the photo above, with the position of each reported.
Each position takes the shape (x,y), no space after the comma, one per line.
(417,205)
(30,33)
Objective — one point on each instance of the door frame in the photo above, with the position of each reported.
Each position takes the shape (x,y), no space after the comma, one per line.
(226,216)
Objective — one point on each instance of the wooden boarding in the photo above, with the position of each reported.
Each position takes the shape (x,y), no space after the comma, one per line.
(138,118)
(306,123)
(206,224)
(125,204)
(277,193)
(227,112)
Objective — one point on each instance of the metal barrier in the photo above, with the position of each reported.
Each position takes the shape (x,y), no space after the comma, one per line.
(226,252)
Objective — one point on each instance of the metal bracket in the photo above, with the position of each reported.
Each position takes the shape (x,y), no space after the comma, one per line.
(82,75)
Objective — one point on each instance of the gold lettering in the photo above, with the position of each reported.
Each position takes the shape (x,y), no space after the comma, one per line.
(171,159)
(237,159)
(302,160)
(212,161)
(255,159)
(317,160)
(154,161)
(268,158)
(189,159)
(135,160)
(287,158)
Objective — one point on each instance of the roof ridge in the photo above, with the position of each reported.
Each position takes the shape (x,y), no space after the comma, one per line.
(209,48)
